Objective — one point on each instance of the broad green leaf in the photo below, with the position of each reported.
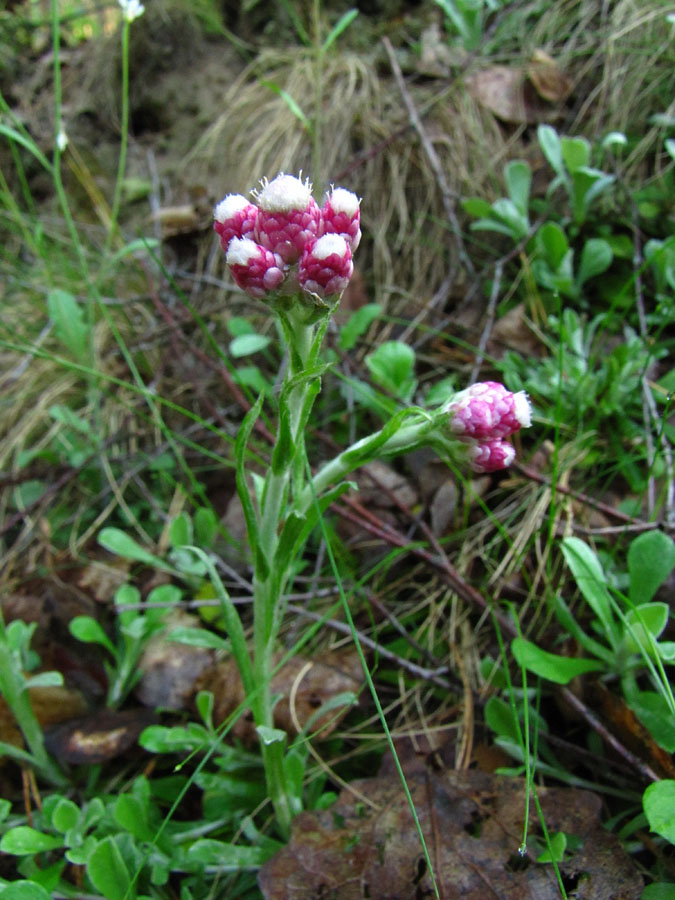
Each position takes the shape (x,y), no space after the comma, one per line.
(587,184)
(45,679)
(666,650)
(108,871)
(69,323)
(392,366)
(204,702)
(518,177)
(119,542)
(271,735)
(557,849)
(551,148)
(206,526)
(24,890)
(237,325)
(176,739)
(553,243)
(592,583)
(358,324)
(66,815)
(517,221)
(596,258)
(476,206)
(651,558)
(659,891)
(132,815)
(576,152)
(180,530)
(88,630)
(248,344)
(653,711)
(559,669)
(658,802)
(499,717)
(643,621)
(25,841)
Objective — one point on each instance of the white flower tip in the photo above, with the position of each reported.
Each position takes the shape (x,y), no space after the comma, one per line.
(62,140)
(522,409)
(328,244)
(131,9)
(344,201)
(229,206)
(285,193)
(241,251)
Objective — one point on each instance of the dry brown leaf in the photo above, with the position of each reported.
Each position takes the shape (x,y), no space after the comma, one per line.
(170,669)
(303,685)
(99,737)
(513,332)
(549,80)
(50,705)
(472,822)
(506,93)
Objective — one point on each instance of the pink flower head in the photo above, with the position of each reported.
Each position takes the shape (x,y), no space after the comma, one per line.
(488,411)
(288,217)
(326,266)
(234,217)
(490,456)
(255,269)
(340,214)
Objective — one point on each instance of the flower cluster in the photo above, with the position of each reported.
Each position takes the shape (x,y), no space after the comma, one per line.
(284,242)
(484,416)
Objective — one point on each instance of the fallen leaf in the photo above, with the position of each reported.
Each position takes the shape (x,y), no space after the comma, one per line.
(50,705)
(170,669)
(507,93)
(549,80)
(472,823)
(99,737)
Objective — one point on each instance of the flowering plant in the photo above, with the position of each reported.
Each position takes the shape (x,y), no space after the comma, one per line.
(296,257)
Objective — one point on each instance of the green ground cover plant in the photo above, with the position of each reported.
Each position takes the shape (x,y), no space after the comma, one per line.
(199,437)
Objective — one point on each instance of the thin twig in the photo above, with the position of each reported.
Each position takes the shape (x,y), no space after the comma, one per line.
(474,597)
(589,501)
(448,196)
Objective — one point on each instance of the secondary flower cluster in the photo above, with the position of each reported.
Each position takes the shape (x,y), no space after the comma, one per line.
(484,416)
(285,242)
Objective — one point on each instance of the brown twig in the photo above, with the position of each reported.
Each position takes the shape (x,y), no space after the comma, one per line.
(356,513)
(605,508)
(448,196)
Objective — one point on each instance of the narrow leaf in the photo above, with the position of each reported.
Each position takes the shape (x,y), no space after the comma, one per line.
(591,581)
(343,22)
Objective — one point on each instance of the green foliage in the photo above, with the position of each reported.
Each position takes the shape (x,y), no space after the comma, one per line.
(467,18)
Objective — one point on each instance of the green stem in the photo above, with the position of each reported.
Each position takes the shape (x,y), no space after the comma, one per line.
(15,693)
(124,137)
(269,586)
(362,451)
